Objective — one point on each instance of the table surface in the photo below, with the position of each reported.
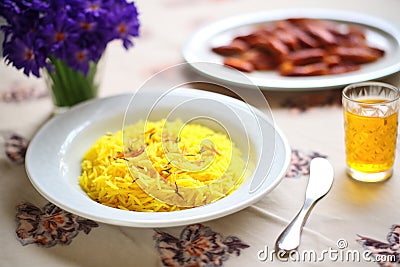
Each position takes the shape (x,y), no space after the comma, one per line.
(312,122)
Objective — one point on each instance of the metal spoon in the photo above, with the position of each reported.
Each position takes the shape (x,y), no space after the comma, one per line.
(319,184)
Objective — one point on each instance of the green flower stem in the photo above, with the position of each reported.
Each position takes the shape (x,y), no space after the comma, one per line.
(70,87)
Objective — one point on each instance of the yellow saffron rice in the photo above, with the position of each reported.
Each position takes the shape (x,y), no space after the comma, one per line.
(181,166)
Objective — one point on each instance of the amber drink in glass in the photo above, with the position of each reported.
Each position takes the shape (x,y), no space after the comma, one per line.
(370,121)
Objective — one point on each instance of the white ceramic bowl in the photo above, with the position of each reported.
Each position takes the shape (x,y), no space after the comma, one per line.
(54,154)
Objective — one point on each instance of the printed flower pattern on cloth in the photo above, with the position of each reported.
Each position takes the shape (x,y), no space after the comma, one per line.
(321,99)
(19,93)
(300,163)
(198,245)
(15,148)
(386,254)
(49,226)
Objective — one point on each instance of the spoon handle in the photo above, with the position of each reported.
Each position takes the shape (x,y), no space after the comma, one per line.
(289,239)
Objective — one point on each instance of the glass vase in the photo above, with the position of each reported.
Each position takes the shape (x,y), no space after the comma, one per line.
(69,87)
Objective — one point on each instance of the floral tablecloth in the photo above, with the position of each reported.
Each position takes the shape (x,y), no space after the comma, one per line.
(353,225)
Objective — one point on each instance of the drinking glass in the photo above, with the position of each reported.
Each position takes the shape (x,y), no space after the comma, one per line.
(370,122)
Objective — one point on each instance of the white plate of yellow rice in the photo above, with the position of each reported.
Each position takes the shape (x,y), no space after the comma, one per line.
(55,159)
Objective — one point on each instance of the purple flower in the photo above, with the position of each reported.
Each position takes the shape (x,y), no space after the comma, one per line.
(123,25)
(79,59)
(95,8)
(25,53)
(74,31)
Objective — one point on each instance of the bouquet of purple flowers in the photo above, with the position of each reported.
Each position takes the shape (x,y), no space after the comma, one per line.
(65,37)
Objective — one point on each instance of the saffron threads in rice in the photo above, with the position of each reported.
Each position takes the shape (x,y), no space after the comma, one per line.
(178,166)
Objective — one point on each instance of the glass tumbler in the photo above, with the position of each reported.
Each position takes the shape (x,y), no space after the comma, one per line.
(370,122)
